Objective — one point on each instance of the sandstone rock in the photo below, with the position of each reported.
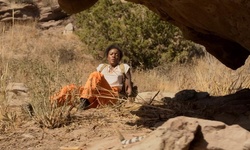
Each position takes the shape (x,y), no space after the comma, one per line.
(51,13)
(17,94)
(69,28)
(49,24)
(16,87)
(183,133)
(47,16)
(23,12)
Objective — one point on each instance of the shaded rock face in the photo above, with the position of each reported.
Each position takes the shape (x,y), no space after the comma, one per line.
(221,26)
(46,15)
(75,6)
(14,12)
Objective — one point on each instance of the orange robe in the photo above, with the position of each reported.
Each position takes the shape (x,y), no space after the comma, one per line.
(96,90)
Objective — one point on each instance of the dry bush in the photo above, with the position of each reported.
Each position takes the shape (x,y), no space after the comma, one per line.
(51,117)
(213,77)
(8,120)
(28,48)
(152,80)
(203,74)
(206,74)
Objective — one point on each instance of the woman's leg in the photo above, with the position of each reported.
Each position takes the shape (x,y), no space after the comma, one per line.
(67,95)
(98,91)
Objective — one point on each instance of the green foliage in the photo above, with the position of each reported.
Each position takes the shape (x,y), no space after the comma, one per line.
(147,41)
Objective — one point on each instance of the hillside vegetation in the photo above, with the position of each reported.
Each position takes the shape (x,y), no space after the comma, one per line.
(161,60)
(46,60)
(147,40)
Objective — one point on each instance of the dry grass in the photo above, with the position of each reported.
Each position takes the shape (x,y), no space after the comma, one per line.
(47,60)
(211,76)
(44,61)
(206,74)
(50,2)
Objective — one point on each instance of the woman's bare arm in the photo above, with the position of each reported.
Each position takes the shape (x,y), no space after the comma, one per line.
(128,82)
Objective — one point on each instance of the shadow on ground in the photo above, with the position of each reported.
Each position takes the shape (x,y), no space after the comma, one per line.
(230,109)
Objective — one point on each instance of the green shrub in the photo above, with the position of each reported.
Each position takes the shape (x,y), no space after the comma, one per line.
(146,39)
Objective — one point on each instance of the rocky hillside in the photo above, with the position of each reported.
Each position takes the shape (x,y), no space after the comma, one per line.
(47,14)
(185,120)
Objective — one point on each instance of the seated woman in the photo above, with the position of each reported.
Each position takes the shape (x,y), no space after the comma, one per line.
(104,85)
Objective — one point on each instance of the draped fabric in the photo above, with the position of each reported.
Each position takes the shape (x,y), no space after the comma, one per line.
(96,90)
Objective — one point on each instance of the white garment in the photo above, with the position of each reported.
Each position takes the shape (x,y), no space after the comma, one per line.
(114,77)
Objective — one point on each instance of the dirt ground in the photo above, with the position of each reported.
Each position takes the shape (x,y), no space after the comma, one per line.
(96,129)
(88,129)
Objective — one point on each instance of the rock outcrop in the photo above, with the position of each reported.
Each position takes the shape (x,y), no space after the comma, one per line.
(47,15)
(221,26)
(184,133)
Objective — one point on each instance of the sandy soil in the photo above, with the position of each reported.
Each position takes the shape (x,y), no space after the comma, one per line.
(88,129)
(96,129)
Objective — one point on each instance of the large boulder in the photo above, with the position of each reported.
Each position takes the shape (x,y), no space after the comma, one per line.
(221,26)
(184,133)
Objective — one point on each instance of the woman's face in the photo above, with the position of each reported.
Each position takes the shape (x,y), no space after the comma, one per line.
(114,57)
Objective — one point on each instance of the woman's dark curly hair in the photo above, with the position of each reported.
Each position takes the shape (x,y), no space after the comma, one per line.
(113,46)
